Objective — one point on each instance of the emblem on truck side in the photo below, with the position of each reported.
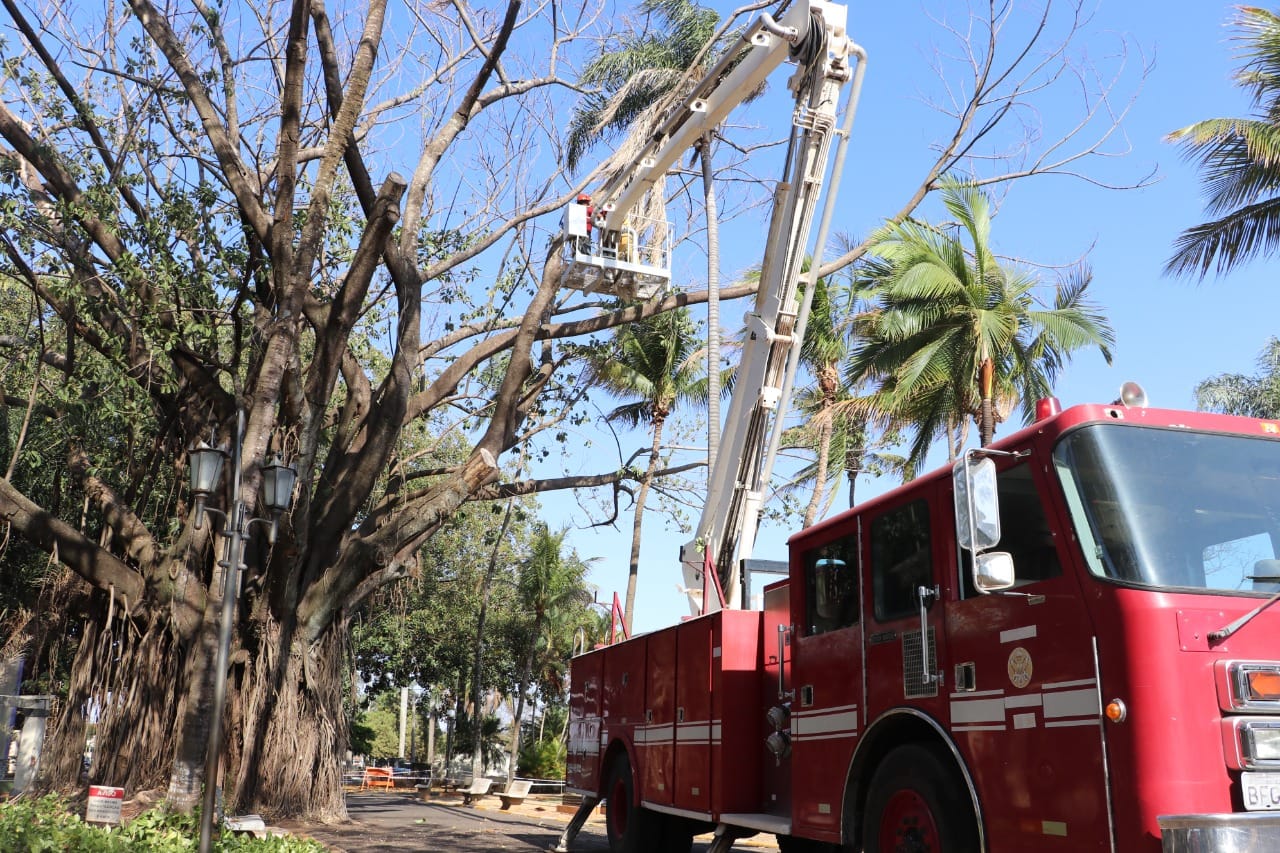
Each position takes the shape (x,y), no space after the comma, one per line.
(1020,667)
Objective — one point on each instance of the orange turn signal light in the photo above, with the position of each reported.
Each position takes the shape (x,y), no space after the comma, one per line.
(1264,685)
(1116,711)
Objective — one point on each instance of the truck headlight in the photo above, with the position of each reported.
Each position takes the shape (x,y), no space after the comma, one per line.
(1260,743)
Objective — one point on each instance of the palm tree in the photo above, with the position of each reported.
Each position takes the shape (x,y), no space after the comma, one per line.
(824,348)
(957,333)
(636,82)
(550,584)
(633,81)
(1239,159)
(655,362)
(841,434)
(1251,396)
(836,423)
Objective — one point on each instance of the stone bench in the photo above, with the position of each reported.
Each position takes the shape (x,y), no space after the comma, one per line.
(515,793)
(479,787)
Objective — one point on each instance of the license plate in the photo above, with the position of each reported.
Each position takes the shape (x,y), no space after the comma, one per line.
(1261,791)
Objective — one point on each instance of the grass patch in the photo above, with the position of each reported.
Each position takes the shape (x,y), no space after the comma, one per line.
(47,825)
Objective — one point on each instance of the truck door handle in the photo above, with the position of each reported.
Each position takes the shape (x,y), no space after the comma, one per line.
(926,594)
(783,630)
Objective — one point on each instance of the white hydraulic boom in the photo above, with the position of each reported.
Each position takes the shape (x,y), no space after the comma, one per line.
(616,242)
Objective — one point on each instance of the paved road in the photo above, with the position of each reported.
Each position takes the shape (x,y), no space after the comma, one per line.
(385,823)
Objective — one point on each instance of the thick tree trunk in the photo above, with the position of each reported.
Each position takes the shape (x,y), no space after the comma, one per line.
(285,734)
(128,676)
(286,751)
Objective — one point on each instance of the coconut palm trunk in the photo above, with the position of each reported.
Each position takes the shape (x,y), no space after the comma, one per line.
(987,414)
(642,496)
(829,385)
(713,303)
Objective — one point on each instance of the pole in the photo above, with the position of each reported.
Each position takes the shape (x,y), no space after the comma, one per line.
(234,532)
(404,713)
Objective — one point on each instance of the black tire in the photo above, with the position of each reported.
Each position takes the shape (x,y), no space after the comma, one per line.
(629,828)
(917,803)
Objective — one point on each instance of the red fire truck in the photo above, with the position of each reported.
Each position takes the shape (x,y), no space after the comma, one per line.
(1105,673)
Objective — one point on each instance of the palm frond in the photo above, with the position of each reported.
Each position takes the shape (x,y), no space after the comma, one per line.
(1222,244)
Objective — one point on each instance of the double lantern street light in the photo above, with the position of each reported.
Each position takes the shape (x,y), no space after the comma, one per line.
(277,485)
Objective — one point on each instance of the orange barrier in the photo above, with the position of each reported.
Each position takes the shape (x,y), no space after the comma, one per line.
(377,777)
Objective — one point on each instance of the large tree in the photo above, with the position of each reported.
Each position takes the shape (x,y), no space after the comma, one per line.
(193,203)
(203,209)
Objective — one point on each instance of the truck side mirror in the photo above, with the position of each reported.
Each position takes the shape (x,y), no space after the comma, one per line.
(977,503)
(993,571)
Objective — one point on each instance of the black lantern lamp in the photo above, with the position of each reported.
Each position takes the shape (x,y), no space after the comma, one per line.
(277,490)
(206,469)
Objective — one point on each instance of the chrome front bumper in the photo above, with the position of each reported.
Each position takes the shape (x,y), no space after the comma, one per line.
(1243,832)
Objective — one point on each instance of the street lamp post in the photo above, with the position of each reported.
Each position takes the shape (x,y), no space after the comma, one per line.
(277,483)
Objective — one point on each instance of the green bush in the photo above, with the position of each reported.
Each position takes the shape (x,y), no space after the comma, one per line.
(48,825)
(542,759)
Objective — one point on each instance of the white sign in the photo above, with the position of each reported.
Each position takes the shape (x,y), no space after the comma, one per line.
(104,804)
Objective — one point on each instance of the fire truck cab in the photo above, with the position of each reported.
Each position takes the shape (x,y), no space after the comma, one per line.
(1066,642)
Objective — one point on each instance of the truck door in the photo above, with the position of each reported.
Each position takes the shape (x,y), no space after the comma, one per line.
(827,680)
(1022,682)
(906,567)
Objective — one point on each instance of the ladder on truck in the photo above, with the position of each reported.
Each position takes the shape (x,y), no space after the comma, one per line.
(616,241)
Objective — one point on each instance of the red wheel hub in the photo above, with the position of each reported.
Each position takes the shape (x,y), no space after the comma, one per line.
(618,808)
(907,825)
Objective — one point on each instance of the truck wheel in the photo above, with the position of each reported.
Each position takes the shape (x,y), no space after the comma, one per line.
(630,829)
(917,804)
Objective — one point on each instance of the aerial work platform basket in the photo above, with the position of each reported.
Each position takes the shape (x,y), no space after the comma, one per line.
(631,263)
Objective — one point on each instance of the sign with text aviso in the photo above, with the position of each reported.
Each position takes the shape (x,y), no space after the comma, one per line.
(104,804)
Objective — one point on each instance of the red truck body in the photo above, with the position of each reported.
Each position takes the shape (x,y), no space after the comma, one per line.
(1074,711)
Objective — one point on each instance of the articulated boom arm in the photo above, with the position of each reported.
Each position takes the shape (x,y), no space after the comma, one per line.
(752,433)
(617,241)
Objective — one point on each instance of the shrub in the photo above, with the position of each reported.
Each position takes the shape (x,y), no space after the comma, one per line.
(542,759)
(48,825)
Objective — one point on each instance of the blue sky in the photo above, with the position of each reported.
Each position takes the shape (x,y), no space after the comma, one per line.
(1170,333)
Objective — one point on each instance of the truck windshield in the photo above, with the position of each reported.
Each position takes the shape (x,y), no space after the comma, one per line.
(1175,508)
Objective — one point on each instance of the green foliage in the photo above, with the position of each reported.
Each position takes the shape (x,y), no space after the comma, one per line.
(493,739)
(379,727)
(542,759)
(656,362)
(47,825)
(630,77)
(1252,396)
(360,737)
(423,632)
(945,306)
